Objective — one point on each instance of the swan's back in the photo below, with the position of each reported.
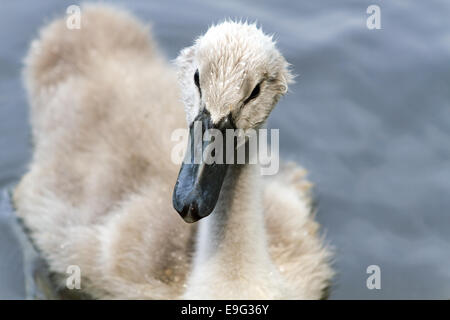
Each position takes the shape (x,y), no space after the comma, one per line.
(98,194)
(104,105)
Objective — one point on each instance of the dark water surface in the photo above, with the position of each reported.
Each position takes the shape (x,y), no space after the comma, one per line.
(369,117)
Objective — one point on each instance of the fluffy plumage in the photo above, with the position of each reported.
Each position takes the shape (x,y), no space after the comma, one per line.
(104,103)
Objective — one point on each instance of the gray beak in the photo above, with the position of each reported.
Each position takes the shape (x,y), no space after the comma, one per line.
(199,182)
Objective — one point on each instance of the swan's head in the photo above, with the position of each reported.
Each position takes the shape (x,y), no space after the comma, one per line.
(231,78)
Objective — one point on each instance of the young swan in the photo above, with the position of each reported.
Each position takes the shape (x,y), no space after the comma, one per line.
(98,194)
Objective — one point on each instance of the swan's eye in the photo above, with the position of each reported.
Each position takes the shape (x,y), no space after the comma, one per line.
(254,93)
(197,79)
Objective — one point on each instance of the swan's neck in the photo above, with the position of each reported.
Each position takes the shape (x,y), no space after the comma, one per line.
(236,227)
(231,248)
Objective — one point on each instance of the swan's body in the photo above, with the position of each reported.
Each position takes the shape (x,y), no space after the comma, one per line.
(99,190)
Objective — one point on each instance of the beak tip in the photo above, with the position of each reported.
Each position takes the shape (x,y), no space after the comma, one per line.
(188,212)
(190,219)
